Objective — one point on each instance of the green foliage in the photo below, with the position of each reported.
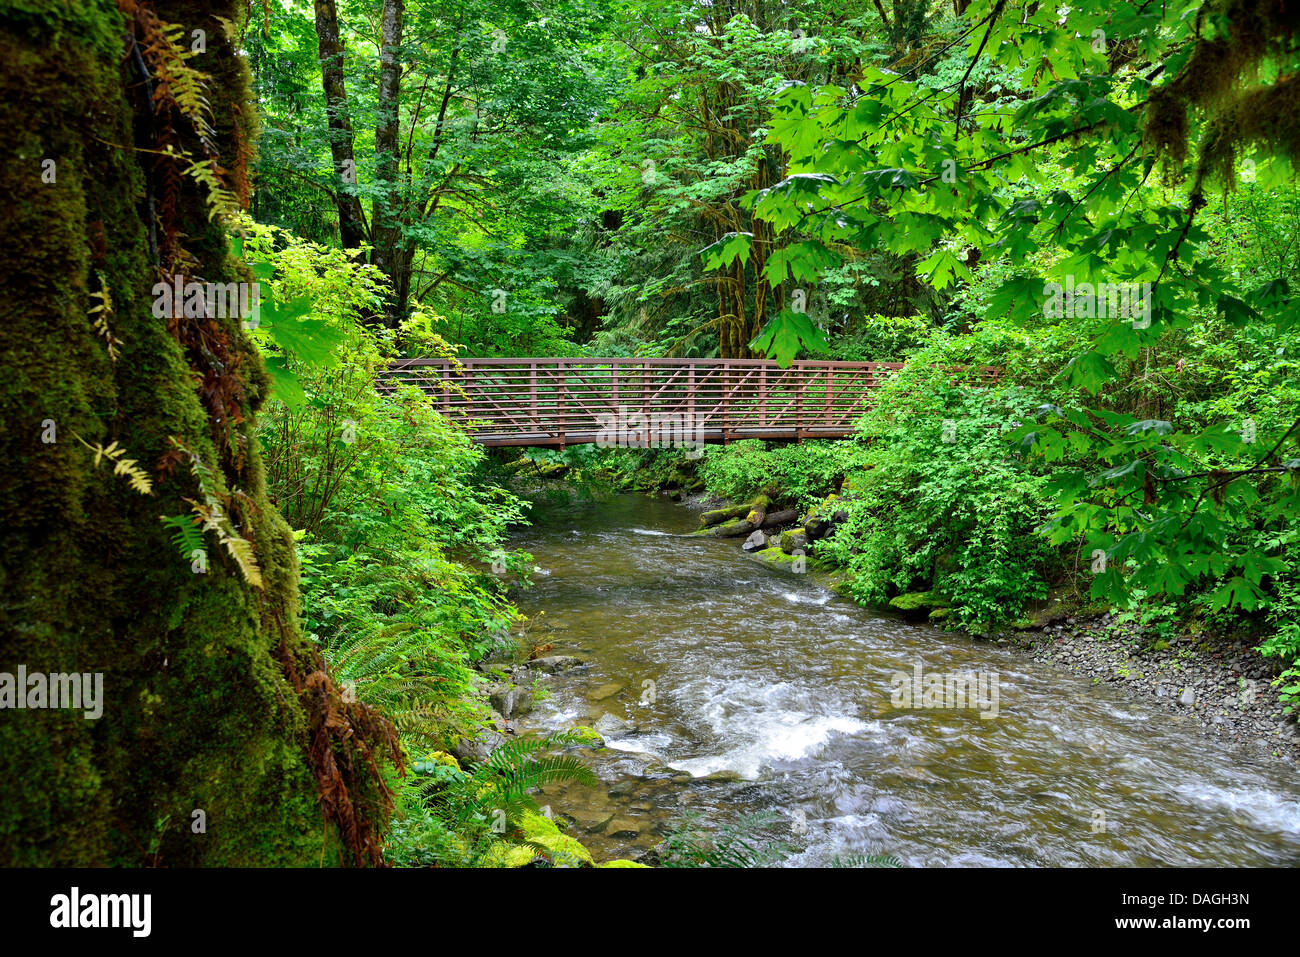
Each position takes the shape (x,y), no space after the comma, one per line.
(803,473)
(187,536)
(749,841)
(883,184)
(786,335)
(940,503)
(1284,642)
(394,526)
(450,817)
(1058,194)
(875,338)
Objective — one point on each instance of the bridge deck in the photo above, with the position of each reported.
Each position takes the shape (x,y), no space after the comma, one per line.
(645,402)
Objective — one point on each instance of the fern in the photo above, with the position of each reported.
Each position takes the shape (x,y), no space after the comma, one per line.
(504,780)
(186,534)
(136,476)
(519,767)
(177,87)
(222,203)
(212,516)
(455,811)
(101,314)
(736,845)
(377,664)
(176,82)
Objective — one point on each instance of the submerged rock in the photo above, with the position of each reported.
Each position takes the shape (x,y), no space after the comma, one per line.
(554,664)
(623,827)
(609,724)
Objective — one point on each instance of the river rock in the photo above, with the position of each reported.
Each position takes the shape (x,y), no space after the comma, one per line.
(794,541)
(591,820)
(623,827)
(917,604)
(472,749)
(554,664)
(755,542)
(609,724)
(606,691)
(652,857)
(1187,698)
(816,527)
(511,700)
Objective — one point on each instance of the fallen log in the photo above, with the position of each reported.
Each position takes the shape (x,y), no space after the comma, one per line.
(732,529)
(719,515)
(777,519)
(736,526)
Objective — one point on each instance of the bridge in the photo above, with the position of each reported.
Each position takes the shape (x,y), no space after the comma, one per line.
(643,403)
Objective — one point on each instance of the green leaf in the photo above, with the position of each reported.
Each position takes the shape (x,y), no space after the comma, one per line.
(785,335)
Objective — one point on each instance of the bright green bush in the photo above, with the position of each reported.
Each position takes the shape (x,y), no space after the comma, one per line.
(942,504)
(802,474)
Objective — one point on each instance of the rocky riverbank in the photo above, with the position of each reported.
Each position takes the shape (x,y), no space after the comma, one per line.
(1223,688)
(509,694)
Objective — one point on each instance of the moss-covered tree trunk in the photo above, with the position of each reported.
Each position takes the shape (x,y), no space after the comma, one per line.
(221,740)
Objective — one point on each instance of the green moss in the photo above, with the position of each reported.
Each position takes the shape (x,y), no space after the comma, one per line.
(918,604)
(732,528)
(774,556)
(201,712)
(793,540)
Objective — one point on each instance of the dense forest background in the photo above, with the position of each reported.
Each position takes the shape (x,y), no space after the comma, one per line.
(874,180)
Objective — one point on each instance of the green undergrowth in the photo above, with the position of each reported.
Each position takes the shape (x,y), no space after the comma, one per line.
(406,572)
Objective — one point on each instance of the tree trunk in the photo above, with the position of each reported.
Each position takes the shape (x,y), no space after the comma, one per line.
(777,519)
(386,209)
(352,230)
(221,740)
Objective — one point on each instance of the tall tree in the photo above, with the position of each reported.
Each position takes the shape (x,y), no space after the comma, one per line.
(221,739)
(385,210)
(352,228)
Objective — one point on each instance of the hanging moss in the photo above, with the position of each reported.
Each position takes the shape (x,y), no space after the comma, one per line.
(214,700)
(1214,81)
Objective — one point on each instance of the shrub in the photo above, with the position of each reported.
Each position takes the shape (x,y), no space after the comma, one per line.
(942,504)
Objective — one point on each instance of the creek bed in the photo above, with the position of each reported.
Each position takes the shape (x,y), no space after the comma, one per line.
(723,686)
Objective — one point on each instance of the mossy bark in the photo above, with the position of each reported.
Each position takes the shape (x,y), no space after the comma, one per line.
(214,702)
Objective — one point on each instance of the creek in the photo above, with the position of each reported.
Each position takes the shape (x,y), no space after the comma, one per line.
(724,686)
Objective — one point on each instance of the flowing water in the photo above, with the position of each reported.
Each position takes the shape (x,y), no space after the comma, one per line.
(732,687)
